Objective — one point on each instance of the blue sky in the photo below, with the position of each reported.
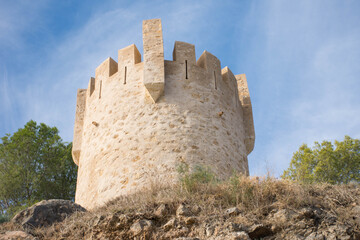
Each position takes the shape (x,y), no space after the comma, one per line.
(301,58)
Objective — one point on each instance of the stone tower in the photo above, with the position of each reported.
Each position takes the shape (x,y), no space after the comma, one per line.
(138,120)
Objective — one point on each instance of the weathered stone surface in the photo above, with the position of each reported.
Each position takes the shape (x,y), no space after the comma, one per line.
(138,120)
(182,210)
(18,235)
(161,211)
(128,57)
(116,222)
(282,218)
(141,226)
(209,231)
(235,227)
(356,210)
(172,223)
(46,212)
(239,236)
(195,209)
(356,214)
(315,236)
(154,68)
(79,122)
(244,96)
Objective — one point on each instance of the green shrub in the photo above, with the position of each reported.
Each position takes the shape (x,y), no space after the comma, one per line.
(3,219)
(199,175)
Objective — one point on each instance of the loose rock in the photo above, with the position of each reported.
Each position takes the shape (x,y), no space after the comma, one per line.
(209,231)
(235,227)
(161,211)
(315,236)
(232,211)
(170,224)
(196,210)
(141,226)
(117,222)
(282,216)
(182,210)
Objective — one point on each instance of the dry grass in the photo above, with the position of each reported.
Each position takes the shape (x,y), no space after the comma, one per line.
(254,196)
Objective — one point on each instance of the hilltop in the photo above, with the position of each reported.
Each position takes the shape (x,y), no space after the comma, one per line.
(200,207)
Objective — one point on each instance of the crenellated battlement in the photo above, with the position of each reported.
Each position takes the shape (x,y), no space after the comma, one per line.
(183,55)
(139,119)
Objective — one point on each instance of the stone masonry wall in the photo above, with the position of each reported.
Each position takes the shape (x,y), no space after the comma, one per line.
(132,129)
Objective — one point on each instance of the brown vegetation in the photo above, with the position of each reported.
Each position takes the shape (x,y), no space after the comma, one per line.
(201,207)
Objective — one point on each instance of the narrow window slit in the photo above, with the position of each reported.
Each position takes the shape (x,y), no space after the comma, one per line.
(100,89)
(215,80)
(92,85)
(125,75)
(186,74)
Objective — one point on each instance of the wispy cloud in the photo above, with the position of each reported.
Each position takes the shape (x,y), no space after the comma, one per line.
(6,102)
(50,96)
(311,84)
(301,59)
(330,104)
(17,18)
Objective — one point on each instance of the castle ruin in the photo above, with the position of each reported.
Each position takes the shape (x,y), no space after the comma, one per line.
(138,120)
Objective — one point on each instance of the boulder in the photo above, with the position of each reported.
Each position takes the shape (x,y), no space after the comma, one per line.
(46,212)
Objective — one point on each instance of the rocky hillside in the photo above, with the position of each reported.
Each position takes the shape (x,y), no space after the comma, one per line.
(202,208)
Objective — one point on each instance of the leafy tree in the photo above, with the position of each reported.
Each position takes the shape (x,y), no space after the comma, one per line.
(35,164)
(326,163)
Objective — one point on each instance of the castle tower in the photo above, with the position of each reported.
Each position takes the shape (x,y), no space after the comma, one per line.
(138,120)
